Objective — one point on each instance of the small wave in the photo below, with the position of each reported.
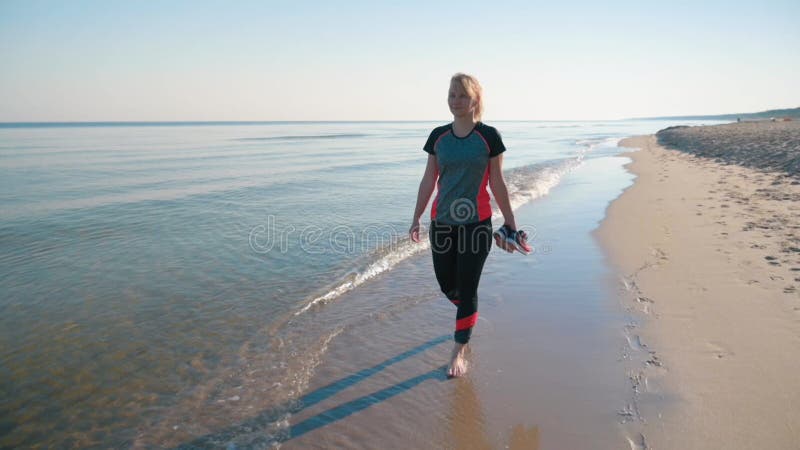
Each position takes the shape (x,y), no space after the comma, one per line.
(387,258)
(303,137)
(598,140)
(524,184)
(528,183)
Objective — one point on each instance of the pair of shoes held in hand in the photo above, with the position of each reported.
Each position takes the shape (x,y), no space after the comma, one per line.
(516,239)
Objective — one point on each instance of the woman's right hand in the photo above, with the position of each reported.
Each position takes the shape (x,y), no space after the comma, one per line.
(413,232)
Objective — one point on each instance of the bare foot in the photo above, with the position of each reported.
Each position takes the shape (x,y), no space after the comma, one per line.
(458,363)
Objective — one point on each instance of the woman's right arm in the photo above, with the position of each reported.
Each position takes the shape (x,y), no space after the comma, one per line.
(426,187)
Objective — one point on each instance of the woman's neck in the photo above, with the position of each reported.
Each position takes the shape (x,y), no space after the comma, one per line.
(463,125)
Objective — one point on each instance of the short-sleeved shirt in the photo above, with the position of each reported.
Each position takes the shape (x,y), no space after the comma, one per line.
(463,172)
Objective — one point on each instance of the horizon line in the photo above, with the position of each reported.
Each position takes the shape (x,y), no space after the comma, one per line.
(55,123)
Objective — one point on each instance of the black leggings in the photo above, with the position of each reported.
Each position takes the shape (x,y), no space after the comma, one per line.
(459,252)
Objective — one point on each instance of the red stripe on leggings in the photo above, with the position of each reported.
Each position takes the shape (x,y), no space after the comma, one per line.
(467,322)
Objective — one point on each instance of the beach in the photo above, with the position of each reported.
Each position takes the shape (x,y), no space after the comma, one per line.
(706,248)
(237,297)
(252,284)
(212,230)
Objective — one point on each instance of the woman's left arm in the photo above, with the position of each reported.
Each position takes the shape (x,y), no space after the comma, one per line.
(498,185)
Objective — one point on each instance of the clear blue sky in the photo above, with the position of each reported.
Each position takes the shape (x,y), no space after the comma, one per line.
(251,60)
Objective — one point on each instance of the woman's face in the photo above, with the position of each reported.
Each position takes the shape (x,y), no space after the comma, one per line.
(461,104)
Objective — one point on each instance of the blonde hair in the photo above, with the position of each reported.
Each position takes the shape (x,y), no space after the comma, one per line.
(471,85)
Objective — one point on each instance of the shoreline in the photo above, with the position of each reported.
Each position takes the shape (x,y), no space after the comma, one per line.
(544,364)
(708,266)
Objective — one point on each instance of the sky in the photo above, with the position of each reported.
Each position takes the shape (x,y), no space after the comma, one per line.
(347,60)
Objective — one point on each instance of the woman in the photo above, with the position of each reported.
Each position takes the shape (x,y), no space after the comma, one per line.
(463,156)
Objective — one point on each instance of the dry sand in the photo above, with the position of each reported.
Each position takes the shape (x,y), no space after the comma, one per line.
(762,145)
(708,256)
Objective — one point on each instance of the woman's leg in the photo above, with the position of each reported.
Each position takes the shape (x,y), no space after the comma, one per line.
(443,239)
(474,244)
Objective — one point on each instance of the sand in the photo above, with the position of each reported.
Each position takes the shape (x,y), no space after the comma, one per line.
(763,145)
(708,261)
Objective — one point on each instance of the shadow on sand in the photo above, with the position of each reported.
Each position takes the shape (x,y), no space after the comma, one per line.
(260,429)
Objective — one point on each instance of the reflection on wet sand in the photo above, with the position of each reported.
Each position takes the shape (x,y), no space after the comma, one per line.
(523,437)
(467,423)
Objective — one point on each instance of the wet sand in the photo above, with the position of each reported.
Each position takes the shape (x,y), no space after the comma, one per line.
(708,260)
